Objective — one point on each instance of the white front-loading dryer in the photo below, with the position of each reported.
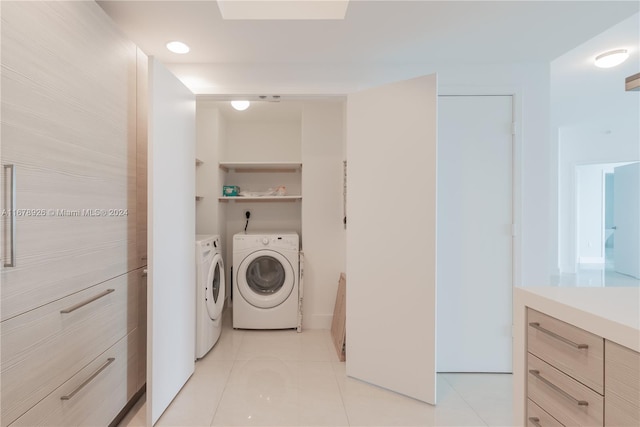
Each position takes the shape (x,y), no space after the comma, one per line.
(266,280)
(210,292)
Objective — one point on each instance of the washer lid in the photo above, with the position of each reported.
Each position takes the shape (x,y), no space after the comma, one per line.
(214,292)
(265,278)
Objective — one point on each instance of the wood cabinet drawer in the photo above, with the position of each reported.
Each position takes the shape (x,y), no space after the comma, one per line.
(556,343)
(95,395)
(622,386)
(538,417)
(45,347)
(559,395)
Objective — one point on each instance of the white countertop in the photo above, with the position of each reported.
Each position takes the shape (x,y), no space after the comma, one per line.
(612,313)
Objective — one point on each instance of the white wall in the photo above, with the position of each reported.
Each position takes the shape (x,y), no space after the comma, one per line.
(593,121)
(322,213)
(529,82)
(590,199)
(262,141)
(207,174)
(171,290)
(583,145)
(210,213)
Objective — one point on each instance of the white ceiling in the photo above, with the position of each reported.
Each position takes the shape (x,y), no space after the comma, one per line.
(373,32)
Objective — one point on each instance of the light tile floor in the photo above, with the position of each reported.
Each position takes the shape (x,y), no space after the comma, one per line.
(282,378)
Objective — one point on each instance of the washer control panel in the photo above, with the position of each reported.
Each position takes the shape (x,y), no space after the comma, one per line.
(275,241)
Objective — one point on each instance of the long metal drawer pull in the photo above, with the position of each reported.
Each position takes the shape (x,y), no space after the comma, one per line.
(535,421)
(13,215)
(536,325)
(536,374)
(83,303)
(88,380)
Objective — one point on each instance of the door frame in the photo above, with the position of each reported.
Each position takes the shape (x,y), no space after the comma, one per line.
(464,92)
(516,164)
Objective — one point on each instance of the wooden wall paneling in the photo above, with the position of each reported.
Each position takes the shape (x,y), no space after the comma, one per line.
(68,98)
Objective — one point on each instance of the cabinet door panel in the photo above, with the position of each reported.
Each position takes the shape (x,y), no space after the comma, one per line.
(536,416)
(555,398)
(622,386)
(44,347)
(68,127)
(584,364)
(99,400)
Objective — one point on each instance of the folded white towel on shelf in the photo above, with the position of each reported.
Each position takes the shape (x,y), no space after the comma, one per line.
(278,191)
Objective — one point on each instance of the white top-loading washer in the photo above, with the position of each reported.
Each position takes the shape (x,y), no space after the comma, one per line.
(210,292)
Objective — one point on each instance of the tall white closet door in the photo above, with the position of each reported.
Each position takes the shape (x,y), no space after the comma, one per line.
(474,233)
(391,236)
(171,281)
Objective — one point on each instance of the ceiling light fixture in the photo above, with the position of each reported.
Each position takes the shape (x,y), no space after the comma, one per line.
(240,105)
(178,47)
(611,58)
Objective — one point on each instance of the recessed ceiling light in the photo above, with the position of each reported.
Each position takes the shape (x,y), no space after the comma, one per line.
(177,47)
(240,105)
(611,58)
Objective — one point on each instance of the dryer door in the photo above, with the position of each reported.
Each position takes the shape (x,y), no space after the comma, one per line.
(265,278)
(215,288)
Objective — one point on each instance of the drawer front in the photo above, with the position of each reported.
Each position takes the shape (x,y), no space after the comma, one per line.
(622,386)
(538,417)
(550,339)
(558,394)
(45,347)
(92,397)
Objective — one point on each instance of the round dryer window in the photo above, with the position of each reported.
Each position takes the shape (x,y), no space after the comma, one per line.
(265,275)
(265,279)
(215,289)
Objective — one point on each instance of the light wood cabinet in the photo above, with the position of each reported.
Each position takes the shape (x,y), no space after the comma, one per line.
(565,371)
(92,397)
(565,399)
(44,347)
(74,215)
(68,124)
(622,386)
(576,378)
(536,416)
(559,344)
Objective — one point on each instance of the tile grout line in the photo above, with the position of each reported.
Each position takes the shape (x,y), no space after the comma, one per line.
(486,424)
(226,382)
(344,405)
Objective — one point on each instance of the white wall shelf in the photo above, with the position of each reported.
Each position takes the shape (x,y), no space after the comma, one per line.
(261,166)
(260,199)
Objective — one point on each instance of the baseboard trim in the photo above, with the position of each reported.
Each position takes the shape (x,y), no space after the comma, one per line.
(130,404)
(591,260)
(317,321)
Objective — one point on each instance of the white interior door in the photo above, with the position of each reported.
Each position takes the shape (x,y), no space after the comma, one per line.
(626,212)
(171,218)
(391,236)
(474,233)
